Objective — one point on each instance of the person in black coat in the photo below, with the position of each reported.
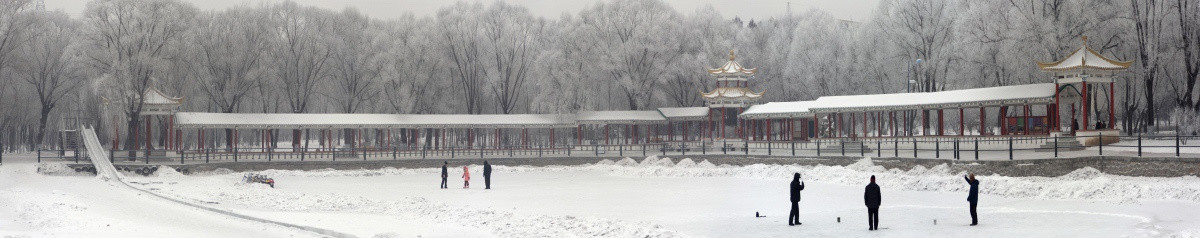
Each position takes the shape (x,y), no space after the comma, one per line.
(973,197)
(794,215)
(487,175)
(445,173)
(872,198)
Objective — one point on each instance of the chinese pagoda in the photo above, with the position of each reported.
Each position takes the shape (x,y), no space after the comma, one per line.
(731,96)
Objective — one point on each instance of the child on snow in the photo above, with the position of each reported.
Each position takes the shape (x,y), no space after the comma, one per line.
(466,177)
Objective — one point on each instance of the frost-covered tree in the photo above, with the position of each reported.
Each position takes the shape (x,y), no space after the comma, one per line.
(231,51)
(132,42)
(302,53)
(462,41)
(51,65)
(512,36)
(358,61)
(636,41)
(411,82)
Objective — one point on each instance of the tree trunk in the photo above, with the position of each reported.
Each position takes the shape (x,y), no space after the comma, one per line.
(45,114)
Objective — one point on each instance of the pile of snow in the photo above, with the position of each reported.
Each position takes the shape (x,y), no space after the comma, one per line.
(167,172)
(655,161)
(58,169)
(627,162)
(218,171)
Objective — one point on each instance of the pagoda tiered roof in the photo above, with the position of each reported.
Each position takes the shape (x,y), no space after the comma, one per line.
(1084,58)
(731,68)
(731,93)
(153,96)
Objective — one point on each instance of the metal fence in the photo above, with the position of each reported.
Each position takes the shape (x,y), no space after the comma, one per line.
(955,148)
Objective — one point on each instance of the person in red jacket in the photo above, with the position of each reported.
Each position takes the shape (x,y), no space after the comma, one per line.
(466,177)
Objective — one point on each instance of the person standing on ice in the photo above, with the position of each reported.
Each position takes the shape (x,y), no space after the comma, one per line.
(794,215)
(973,197)
(872,198)
(445,174)
(466,177)
(487,175)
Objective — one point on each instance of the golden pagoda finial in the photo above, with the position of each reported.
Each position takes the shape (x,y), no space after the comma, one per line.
(730,55)
(1084,40)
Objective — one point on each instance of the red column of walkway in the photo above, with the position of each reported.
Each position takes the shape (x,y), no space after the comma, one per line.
(961,128)
(816,126)
(1112,117)
(924,122)
(941,122)
(892,122)
(840,125)
(721,123)
(1086,108)
(1025,110)
(628,128)
(606,137)
(982,123)
(148,132)
(170,128)
(200,138)
(1004,120)
(865,124)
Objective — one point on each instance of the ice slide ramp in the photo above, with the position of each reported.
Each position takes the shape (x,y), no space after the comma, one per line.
(99,157)
(105,170)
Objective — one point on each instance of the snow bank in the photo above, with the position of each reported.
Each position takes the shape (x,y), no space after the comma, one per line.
(58,169)
(167,172)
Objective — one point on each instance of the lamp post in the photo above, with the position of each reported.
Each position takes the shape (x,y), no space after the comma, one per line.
(909,75)
(911,81)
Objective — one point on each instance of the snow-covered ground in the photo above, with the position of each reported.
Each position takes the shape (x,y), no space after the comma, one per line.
(37,205)
(646,198)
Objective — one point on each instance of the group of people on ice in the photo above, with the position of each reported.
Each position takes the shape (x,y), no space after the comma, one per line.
(873,198)
(466,176)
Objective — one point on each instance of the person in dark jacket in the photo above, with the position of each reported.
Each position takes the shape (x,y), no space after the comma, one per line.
(794,215)
(445,174)
(487,175)
(973,197)
(872,198)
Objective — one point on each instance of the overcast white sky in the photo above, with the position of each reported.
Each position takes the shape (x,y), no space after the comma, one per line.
(857,10)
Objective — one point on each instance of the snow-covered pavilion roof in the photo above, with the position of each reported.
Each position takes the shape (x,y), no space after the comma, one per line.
(684,113)
(295,121)
(153,96)
(731,93)
(1084,58)
(731,67)
(993,96)
(621,117)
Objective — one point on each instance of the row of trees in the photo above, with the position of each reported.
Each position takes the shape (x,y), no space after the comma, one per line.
(500,58)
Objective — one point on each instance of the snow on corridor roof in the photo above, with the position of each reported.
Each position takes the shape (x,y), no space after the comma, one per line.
(779,110)
(621,117)
(993,96)
(684,113)
(291,120)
